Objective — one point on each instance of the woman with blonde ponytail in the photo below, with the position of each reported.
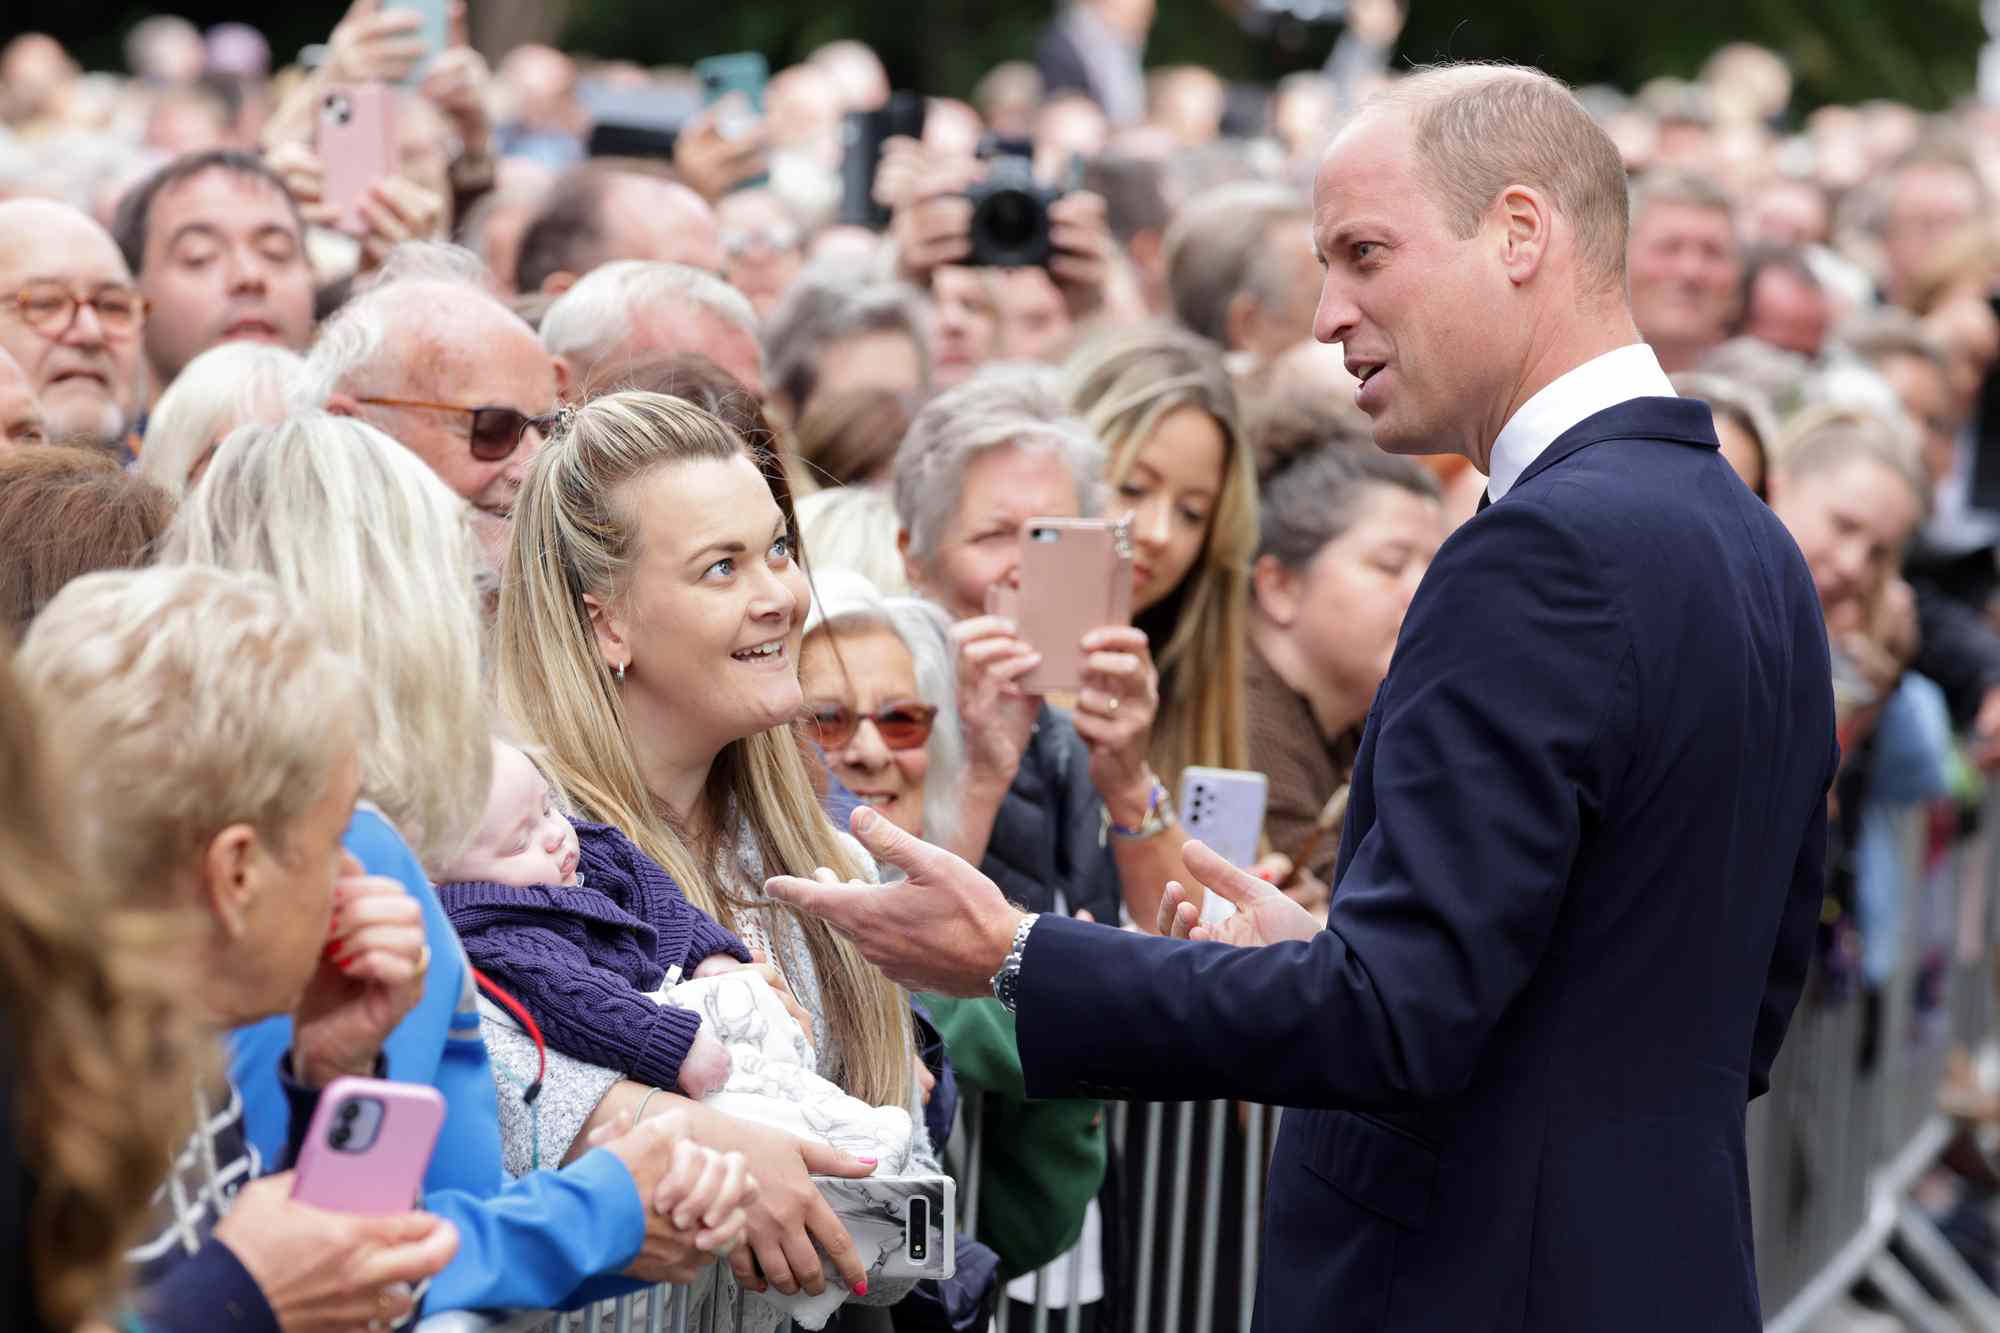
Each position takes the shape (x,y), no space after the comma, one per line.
(651,609)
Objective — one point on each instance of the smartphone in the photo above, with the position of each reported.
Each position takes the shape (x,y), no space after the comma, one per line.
(903,1226)
(862,134)
(436,31)
(368,1146)
(356,142)
(737,80)
(1224,807)
(1075,576)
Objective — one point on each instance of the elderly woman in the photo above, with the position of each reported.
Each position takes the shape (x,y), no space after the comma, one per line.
(217,752)
(354,527)
(881,703)
(1346,534)
(234,384)
(1062,810)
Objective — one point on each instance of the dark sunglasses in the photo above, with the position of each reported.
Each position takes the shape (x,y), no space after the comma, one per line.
(901,726)
(496,431)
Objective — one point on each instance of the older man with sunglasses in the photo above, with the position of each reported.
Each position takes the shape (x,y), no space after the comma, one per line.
(454,375)
(72,318)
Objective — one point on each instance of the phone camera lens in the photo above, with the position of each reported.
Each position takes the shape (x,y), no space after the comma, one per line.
(340,1136)
(350,1111)
(338,110)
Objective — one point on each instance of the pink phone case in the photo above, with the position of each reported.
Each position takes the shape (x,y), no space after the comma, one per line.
(1076,576)
(379,1166)
(356,143)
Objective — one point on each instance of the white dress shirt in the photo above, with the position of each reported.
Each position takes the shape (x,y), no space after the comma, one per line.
(1605,381)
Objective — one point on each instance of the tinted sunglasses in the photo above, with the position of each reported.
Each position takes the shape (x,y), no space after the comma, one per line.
(902,726)
(496,431)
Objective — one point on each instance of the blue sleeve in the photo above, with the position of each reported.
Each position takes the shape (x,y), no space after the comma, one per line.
(709,938)
(212,1292)
(437,1043)
(549,1240)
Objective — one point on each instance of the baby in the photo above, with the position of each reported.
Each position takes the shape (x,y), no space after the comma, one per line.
(583,928)
(597,943)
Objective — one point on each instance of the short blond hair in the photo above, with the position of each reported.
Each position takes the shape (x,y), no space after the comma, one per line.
(192,699)
(230,385)
(358,530)
(1480,128)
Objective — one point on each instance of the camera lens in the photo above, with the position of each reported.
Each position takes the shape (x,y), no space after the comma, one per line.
(1010,219)
(340,1136)
(920,1224)
(350,1110)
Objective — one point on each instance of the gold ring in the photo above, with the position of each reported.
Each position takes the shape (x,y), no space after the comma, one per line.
(424,958)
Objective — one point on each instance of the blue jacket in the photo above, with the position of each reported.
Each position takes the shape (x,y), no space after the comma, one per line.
(1584,855)
(533,1243)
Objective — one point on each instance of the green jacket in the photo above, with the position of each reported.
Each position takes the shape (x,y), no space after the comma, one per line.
(1040,1162)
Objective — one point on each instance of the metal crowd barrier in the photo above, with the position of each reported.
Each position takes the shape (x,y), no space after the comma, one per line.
(1835,1151)
(1839,1144)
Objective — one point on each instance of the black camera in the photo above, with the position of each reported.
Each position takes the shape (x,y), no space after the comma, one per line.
(1010,211)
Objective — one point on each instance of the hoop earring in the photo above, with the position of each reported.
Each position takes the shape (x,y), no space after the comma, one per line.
(619,673)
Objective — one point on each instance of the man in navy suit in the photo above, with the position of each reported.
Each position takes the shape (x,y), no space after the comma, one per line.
(1583,854)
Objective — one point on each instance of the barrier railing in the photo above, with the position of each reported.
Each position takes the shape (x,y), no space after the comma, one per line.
(1835,1150)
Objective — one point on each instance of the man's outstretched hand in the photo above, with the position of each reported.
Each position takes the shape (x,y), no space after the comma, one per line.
(946,928)
(1264,914)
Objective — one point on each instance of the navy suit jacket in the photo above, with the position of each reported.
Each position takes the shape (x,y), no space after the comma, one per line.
(1582,862)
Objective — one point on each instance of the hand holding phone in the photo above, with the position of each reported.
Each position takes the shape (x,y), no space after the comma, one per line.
(355,138)
(368,1146)
(1224,807)
(1075,576)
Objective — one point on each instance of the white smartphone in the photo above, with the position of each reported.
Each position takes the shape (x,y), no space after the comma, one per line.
(903,1226)
(1224,807)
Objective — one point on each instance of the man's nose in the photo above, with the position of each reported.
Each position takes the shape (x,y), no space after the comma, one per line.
(246,274)
(1336,316)
(85,329)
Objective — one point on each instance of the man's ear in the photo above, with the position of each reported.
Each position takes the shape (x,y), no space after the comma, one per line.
(342,405)
(1526,219)
(229,880)
(1276,591)
(558,282)
(609,627)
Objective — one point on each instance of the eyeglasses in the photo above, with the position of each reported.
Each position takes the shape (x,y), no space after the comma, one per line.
(496,431)
(742,240)
(902,726)
(49,308)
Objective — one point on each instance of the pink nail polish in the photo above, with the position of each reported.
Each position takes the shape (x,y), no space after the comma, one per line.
(865,1161)
(861,1289)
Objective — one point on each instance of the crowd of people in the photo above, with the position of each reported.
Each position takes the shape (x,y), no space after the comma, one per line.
(438,616)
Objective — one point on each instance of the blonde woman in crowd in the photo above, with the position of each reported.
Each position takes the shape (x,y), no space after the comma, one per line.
(651,613)
(1161,402)
(217,758)
(356,529)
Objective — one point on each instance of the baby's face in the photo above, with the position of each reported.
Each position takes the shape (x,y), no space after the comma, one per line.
(523,838)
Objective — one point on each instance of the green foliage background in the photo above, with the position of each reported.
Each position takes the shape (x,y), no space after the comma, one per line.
(1921,51)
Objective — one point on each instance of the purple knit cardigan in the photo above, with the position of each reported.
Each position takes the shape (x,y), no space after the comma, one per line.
(581,960)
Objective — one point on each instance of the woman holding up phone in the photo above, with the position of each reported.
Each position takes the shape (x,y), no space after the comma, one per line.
(222,807)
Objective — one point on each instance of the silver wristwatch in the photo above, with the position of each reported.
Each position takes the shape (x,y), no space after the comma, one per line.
(1007,981)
